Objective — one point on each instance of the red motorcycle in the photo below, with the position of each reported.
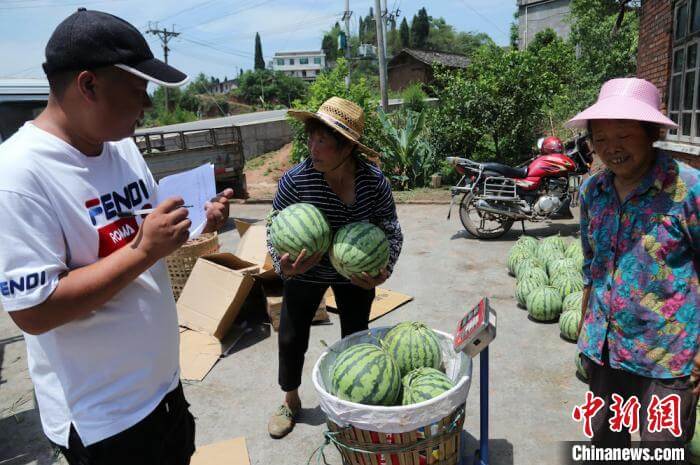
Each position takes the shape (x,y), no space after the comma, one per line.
(494,196)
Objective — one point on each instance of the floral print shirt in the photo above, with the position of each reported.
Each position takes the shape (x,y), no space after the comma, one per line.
(642,262)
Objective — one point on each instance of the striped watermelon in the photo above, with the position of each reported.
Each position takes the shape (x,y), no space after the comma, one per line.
(359,247)
(297,227)
(536,274)
(573,302)
(366,374)
(568,325)
(574,250)
(527,263)
(527,242)
(567,283)
(557,267)
(579,367)
(516,255)
(524,288)
(556,242)
(423,384)
(549,252)
(544,304)
(413,345)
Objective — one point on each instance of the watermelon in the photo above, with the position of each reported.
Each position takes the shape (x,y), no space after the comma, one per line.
(366,374)
(516,255)
(544,304)
(524,288)
(532,262)
(359,247)
(573,302)
(568,325)
(534,273)
(579,367)
(297,227)
(549,252)
(528,242)
(556,242)
(556,267)
(413,345)
(574,250)
(567,283)
(423,384)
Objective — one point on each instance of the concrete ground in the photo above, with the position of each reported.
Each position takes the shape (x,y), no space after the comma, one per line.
(532,383)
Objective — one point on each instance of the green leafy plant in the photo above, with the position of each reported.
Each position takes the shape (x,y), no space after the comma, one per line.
(408,159)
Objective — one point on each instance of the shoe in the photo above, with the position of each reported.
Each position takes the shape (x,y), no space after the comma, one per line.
(281,423)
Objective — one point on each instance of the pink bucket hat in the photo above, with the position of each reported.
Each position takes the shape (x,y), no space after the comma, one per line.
(625,98)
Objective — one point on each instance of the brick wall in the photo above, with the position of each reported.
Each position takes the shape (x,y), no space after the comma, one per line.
(655,44)
(655,54)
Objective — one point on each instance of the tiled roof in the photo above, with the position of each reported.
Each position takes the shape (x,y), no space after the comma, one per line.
(451,60)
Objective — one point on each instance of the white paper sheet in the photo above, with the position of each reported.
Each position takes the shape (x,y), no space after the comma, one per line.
(196,187)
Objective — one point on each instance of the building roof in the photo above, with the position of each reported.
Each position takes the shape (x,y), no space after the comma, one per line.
(286,54)
(451,60)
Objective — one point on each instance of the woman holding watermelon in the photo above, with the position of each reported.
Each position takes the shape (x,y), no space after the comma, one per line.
(346,188)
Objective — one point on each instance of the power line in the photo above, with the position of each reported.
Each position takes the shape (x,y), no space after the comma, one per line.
(164,35)
(185,10)
(485,18)
(54,5)
(240,10)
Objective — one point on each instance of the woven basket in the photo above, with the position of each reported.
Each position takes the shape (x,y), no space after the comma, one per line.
(436,444)
(181,262)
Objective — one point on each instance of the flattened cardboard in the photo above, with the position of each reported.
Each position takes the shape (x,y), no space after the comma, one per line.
(214,293)
(199,352)
(384,302)
(231,452)
(253,247)
(273,296)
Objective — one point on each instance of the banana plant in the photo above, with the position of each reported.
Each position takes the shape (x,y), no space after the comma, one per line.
(408,158)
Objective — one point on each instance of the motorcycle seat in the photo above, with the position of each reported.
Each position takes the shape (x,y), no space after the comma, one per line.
(505,170)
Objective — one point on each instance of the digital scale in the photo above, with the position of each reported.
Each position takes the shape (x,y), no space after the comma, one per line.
(474,333)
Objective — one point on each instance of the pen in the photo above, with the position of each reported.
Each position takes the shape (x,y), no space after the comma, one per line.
(144,211)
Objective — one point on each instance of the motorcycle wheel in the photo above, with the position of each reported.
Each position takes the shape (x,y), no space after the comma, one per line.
(481,224)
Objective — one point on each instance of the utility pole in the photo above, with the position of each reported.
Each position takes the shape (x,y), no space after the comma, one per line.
(385,18)
(382,58)
(346,16)
(164,35)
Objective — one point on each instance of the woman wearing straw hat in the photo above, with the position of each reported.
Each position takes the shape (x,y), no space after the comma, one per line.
(346,188)
(640,233)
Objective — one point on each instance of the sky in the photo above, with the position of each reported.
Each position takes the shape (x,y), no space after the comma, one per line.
(217,36)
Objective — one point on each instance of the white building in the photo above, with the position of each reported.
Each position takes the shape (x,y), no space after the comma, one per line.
(304,65)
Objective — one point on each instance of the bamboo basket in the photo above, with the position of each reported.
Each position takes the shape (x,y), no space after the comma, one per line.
(181,262)
(436,444)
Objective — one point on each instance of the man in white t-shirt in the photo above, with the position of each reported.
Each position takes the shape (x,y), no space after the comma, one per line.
(88,286)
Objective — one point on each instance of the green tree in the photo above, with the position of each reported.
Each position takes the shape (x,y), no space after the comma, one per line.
(259,60)
(514,32)
(329,44)
(444,38)
(420,29)
(405,34)
(269,88)
(606,51)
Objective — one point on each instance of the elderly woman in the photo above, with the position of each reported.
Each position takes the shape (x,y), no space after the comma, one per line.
(346,188)
(640,233)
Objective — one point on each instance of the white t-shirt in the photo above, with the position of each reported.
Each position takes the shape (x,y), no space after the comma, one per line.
(107,371)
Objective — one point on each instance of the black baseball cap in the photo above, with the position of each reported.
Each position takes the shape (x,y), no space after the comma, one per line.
(90,39)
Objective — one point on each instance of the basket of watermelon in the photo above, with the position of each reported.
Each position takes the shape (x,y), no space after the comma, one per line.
(394,395)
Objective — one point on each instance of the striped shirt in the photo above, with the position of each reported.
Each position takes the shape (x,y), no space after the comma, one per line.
(373,203)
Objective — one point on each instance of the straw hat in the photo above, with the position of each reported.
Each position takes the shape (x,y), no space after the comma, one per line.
(625,98)
(343,116)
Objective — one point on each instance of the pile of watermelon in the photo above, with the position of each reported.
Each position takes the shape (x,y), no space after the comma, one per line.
(404,367)
(549,281)
(355,248)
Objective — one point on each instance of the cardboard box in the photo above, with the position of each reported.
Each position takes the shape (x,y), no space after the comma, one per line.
(231,452)
(253,247)
(273,296)
(215,292)
(385,301)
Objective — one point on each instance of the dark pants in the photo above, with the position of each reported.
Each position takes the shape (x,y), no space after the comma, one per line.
(605,381)
(299,303)
(164,437)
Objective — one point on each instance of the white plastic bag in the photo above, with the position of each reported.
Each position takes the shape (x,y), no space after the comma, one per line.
(398,419)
